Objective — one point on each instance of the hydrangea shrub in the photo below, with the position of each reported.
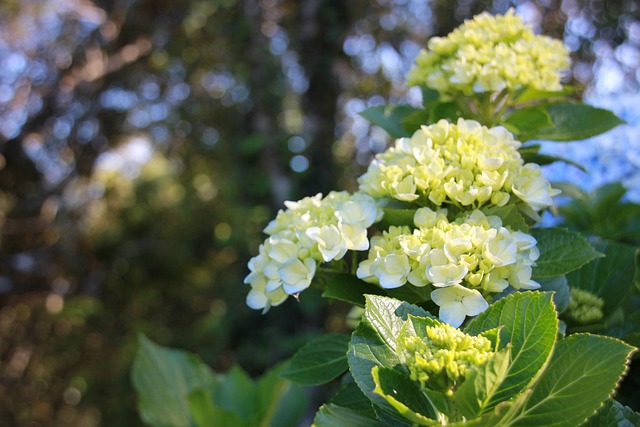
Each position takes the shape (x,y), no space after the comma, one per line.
(471,314)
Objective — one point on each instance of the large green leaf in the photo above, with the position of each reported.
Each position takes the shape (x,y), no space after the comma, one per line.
(163,379)
(528,322)
(387,316)
(475,396)
(529,94)
(348,288)
(398,217)
(281,403)
(561,251)
(236,392)
(583,373)
(206,413)
(568,121)
(610,278)
(373,343)
(350,396)
(614,414)
(526,121)
(390,118)
(319,361)
(510,215)
(560,287)
(332,415)
(404,396)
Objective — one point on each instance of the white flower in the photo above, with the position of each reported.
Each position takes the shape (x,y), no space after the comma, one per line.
(259,298)
(520,278)
(296,275)
(355,236)
(360,210)
(446,275)
(330,242)
(535,191)
(281,250)
(456,302)
(500,250)
(392,270)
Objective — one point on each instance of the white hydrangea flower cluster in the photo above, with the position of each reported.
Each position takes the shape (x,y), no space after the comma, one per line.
(465,164)
(311,231)
(464,261)
(490,53)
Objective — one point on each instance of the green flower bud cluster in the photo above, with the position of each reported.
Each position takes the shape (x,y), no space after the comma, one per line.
(489,54)
(464,164)
(584,307)
(443,359)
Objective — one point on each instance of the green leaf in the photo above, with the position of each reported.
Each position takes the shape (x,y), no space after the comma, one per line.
(404,396)
(546,159)
(280,402)
(163,379)
(583,372)
(416,120)
(610,278)
(411,294)
(476,394)
(526,121)
(373,343)
(387,316)
(614,414)
(449,111)
(529,94)
(570,190)
(332,415)
(350,396)
(390,117)
(366,350)
(605,199)
(510,215)
(561,251)
(528,322)
(348,288)
(429,96)
(236,392)
(572,122)
(319,361)
(204,411)
(560,287)
(398,217)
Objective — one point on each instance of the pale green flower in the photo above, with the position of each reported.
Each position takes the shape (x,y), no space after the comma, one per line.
(457,302)
(296,275)
(464,164)
(533,188)
(330,241)
(475,252)
(489,54)
(309,232)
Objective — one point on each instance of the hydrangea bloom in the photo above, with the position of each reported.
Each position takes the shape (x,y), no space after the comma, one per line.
(464,261)
(464,164)
(490,53)
(310,231)
(442,360)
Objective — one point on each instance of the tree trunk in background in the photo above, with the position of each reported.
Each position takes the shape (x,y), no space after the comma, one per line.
(323,25)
